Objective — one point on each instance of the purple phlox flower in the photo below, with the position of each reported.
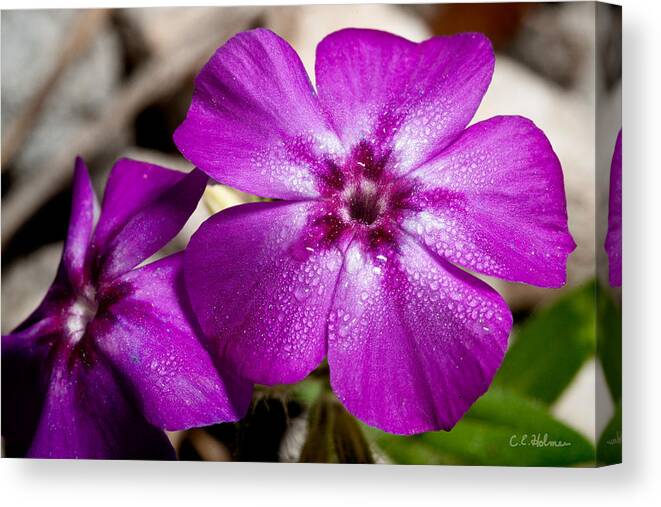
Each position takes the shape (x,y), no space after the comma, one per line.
(613,243)
(111,355)
(383,192)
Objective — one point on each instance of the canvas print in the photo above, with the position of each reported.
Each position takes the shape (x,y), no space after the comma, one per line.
(325,234)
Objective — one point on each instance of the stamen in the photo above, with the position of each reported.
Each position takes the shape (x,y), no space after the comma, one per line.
(81,312)
(364,204)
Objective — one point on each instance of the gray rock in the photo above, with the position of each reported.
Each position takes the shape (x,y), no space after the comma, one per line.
(25,282)
(304,26)
(31,44)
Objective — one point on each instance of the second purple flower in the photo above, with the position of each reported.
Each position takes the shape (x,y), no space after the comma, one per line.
(383,194)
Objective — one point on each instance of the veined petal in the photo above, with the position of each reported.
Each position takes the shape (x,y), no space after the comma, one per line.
(254,122)
(131,186)
(614,236)
(147,332)
(258,293)
(494,202)
(81,225)
(26,364)
(144,207)
(415,97)
(412,340)
(86,414)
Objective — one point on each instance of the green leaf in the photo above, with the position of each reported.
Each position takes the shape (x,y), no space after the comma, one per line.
(502,428)
(550,347)
(609,448)
(609,341)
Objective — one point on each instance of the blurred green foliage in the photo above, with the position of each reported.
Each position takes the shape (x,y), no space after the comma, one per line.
(609,346)
(502,428)
(550,347)
(609,350)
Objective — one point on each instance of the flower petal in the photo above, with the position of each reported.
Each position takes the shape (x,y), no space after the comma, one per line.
(418,97)
(614,236)
(254,122)
(146,330)
(258,293)
(87,415)
(81,225)
(412,340)
(26,364)
(494,202)
(131,186)
(144,207)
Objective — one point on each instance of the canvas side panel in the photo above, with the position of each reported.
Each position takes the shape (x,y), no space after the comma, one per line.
(608,116)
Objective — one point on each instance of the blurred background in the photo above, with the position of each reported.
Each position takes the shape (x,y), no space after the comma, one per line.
(111,83)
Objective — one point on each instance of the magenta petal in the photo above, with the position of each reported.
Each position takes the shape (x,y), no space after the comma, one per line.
(131,186)
(494,202)
(81,225)
(614,237)
(146,333)
(258,293)
(376,85)
(412,340)
(254,122)
(86,414)
(144,207)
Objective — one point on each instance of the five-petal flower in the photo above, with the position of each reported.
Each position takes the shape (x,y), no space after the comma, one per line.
(112,356)
(383,192)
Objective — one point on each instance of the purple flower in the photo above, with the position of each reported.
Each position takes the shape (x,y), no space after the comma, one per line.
(614,236)
(383,192)
(110,356)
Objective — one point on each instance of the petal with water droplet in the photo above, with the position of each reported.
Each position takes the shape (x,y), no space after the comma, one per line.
(415,98)
(147,334)
(249,264)
(87,414)
(494,202)
(414,356)
(255,122)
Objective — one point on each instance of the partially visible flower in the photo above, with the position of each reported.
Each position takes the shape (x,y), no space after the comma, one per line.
(614,236)
(110,356)
(384,192)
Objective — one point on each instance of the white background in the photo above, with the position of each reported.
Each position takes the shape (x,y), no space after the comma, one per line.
(637,481)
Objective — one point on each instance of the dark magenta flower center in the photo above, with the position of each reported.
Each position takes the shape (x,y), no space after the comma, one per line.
(364,203)
(360,197)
